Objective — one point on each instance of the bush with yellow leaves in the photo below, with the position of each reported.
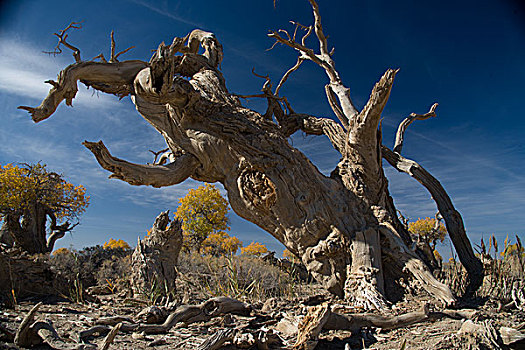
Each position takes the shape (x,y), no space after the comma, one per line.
(254,249)
(116,244)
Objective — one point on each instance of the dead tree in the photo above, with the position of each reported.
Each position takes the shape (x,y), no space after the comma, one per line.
(344,227)
(155,258)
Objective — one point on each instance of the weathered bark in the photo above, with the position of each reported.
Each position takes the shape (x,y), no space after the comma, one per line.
(343,227)
(154,260)
(28,230)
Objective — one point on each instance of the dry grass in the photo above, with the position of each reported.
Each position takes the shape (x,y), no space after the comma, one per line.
(236,276)
(504,271)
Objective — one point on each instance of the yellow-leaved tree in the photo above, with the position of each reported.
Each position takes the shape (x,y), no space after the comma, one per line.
(254,249)
(429,229)
(220,243)
(36,206)
(203,212)
(116,244)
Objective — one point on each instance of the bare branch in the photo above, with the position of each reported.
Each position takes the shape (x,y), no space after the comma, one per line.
(123,52)
(453,220)
(323,126)
(335,106)
(52,82)
(398,145)
(101,56)
(62,36)
(324,60)
(323,44)
(363,128)
(107,77)
(156,154)
(288,73)
(308,32)
(136,174)
(112,55)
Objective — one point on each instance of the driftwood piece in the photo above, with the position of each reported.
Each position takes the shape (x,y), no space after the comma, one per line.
(511,336)
(110,337)
(153,314)
(354,322)
(98,329)
(188,314)
(217,340)
(482,333)
(25,336)
(154,260)
(310,327)
(31,333)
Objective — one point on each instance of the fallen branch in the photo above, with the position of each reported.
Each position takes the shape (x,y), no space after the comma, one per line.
(110,337)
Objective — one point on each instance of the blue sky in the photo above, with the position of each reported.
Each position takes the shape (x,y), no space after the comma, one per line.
(468,56)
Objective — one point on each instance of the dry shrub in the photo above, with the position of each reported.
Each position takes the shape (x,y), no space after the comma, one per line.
(504,271)
(235,276)
(94,265)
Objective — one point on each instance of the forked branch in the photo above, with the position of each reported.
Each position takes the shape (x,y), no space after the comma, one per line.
(62,36)
(114,57)
(344,108)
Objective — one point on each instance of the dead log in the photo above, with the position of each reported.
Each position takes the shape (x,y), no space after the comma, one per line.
(155,258)
(354,322)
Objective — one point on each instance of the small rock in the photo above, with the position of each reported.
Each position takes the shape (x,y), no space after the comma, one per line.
(269,305)
(138,336)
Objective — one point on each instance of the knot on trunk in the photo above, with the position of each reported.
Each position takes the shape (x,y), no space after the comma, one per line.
(257,189)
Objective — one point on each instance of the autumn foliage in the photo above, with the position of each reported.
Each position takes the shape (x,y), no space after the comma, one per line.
(115,244)
(23,186)
(220,243)
(254,249)
(203,212)
(29,195)
(426,229)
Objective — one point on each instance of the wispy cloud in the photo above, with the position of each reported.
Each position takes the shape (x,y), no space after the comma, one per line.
(166,13)
(24,69)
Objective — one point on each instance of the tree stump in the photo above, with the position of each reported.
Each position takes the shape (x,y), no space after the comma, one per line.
(155,257)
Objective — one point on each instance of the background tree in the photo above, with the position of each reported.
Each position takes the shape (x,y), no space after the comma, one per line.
(431,230)
(29,196)
(203,211)
(254,249)
(344,227)
(116,244)
(220,243)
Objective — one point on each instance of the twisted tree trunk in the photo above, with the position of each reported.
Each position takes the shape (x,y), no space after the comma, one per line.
(344,227)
